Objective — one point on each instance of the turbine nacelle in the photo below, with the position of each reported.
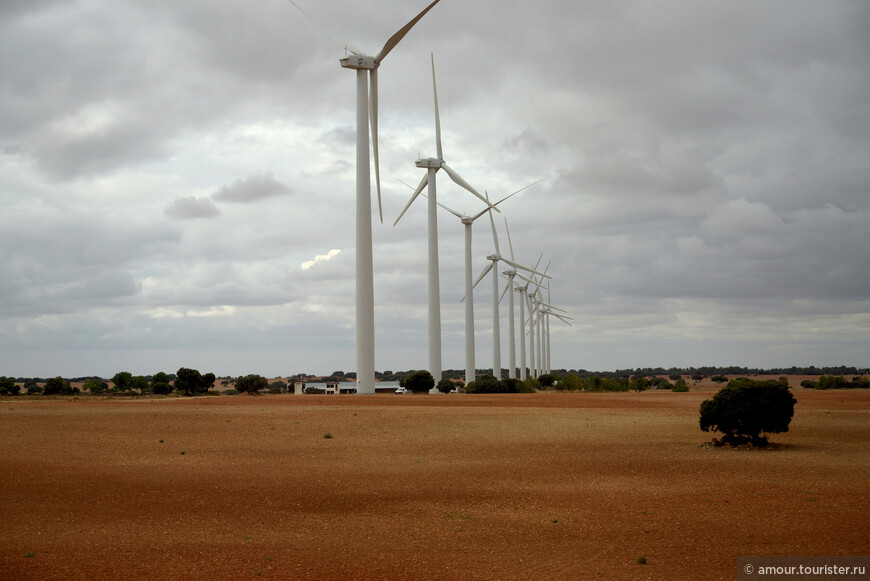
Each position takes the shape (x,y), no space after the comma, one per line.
(428,162)
(359,62)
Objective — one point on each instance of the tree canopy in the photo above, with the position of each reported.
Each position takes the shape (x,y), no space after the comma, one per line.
(745,409)
(191,382)
(421,381)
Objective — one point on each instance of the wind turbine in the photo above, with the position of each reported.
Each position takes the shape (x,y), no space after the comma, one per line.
(539,324)
(493,266)
(432,165)
(467,221)
(366,109)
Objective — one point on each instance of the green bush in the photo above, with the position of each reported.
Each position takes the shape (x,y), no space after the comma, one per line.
(161,388)
(745,409)
(9,387)
(191,382)
(680,386)
(420,381)
(569,382)
(530,385)
(547,380)
(95,386)
(446,385)
(251,384)
(59,386)
(486,384)
(277,387)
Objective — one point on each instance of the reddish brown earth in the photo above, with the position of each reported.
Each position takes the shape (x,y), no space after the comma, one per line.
(543,486)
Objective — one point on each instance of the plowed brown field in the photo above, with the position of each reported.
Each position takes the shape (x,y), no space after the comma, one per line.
(542,486)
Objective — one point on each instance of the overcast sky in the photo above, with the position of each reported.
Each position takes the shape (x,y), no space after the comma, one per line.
(177,180)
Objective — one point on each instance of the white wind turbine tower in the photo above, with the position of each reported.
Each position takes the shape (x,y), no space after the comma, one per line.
(539,323)
(548,309)
(432,165)
(531,302)
(512,347)
(493,265)
(366,109)
(469,297)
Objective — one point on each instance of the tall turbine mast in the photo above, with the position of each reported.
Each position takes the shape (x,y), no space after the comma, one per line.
(366,109)
(432,165)
(467,222)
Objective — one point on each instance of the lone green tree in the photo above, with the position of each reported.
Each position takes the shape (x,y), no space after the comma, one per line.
(160,383)
(421,381)
(59,386)
(122,381)
(191,382)
(745,409)
(446,385)
(251,384)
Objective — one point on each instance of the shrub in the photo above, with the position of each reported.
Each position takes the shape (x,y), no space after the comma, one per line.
(445,385)
(191,382)
(277,387)
(420,381)
(530,385)
(569,382)
(161,388)
(59,386)
(9,387)
(547,380)
(251,384)
(314,390)
(680,386)
(32,388)
(95,386)
(746,408)
(639,384)
(486,384)
(719,379)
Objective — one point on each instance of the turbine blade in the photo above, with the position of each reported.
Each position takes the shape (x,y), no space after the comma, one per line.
(510,244)
(517,192)
(454,212)
(461,182)
(373,117)
(526,268)
(525,278)
(482,274)
(437,113)
(504,292)
(327,30)
(563,319)
(494,234)
(423,183)
(397,38)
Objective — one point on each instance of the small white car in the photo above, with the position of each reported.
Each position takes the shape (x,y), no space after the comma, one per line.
(401,390)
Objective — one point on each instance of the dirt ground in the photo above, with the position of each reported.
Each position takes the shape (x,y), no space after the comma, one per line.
(541,486)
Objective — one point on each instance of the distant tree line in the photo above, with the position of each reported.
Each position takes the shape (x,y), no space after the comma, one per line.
(191,382)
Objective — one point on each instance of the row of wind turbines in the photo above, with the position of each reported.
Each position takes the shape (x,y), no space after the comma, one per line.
(539,310)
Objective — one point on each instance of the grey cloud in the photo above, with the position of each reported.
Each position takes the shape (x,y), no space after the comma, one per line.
(191,208)
(252,189)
